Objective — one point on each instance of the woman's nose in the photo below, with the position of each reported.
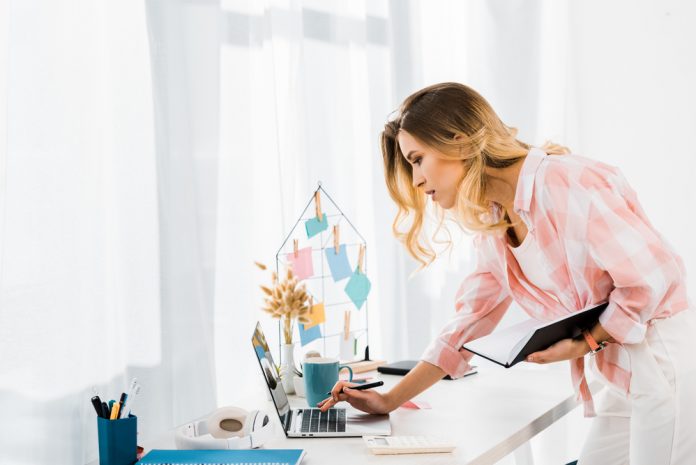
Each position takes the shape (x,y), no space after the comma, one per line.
(418,180)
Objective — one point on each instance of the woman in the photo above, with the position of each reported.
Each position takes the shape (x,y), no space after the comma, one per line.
(556,233)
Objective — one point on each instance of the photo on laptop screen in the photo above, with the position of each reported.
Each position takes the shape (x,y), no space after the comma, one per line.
(270,372)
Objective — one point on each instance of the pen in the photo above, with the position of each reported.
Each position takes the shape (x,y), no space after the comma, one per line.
(131,387)
(362,387)
(105,410)
(114,412)
(129,393)
(125,406)
(96,402)
(129,401)
(121,401)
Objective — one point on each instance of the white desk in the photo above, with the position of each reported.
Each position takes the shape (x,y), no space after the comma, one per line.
(488,415)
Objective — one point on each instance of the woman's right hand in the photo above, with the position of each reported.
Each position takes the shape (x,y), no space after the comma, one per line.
(416,381)
(368,401)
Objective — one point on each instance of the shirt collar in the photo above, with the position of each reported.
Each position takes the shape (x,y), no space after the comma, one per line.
(525,182)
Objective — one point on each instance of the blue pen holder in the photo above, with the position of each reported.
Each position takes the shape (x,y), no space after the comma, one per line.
(118,441)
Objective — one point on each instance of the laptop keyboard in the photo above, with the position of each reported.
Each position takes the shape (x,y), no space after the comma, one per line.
(331,421)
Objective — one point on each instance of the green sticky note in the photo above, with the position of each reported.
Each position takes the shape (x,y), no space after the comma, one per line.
(358,288)
(314,226)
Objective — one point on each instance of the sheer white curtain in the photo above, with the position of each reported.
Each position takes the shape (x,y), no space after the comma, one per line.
(103,274)
(150,152)
(304,88)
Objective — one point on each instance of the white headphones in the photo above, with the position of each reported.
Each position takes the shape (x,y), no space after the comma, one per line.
(226,428)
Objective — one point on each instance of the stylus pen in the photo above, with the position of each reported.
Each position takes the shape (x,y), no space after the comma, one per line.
(362,387)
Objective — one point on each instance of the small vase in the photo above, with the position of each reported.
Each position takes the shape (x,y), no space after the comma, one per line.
(287,368)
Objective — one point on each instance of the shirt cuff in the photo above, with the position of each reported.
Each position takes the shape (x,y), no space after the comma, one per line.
(454,362)
(622,326)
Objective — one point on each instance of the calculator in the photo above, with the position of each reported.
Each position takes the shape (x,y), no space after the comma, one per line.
(383,445)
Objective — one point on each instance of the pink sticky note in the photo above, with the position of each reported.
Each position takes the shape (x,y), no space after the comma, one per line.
(302,263)
(416,404)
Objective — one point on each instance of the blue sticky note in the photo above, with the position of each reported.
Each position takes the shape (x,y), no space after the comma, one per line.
(308,335)
(314,226)
(358,288)
(338,262)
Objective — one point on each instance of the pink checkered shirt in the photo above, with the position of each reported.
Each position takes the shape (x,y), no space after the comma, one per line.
(598,246)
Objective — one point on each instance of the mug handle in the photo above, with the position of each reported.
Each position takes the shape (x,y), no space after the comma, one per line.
(350,371)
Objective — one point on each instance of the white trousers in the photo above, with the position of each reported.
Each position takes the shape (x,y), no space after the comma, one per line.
(656,423)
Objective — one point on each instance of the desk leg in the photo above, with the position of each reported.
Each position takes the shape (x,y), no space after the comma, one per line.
(523,454)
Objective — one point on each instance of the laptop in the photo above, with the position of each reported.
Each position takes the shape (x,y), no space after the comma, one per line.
(312,422)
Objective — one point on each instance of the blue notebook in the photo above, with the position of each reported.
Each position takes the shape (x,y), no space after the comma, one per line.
(223,457)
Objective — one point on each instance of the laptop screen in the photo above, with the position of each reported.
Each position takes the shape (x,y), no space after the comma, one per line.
(271,375)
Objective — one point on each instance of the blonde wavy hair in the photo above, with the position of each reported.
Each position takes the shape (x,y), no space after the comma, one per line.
(460,124)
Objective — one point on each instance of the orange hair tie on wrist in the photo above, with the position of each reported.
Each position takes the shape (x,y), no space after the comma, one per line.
(594,345)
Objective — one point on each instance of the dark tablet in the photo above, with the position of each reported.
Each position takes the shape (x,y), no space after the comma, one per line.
(404,366)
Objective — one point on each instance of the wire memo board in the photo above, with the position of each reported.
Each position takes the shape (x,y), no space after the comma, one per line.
(329,254)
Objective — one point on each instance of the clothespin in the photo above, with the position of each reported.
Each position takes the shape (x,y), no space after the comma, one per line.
(360,257)
(295,246)
(346,325)
(337,247)
(317,205)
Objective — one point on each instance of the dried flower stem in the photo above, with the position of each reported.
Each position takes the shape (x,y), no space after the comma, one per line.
(286,300)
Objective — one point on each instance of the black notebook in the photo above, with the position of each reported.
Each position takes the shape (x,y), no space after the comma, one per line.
(403,367)
(512,345)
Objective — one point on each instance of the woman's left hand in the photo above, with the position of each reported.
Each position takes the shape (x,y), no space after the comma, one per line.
(565,349)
